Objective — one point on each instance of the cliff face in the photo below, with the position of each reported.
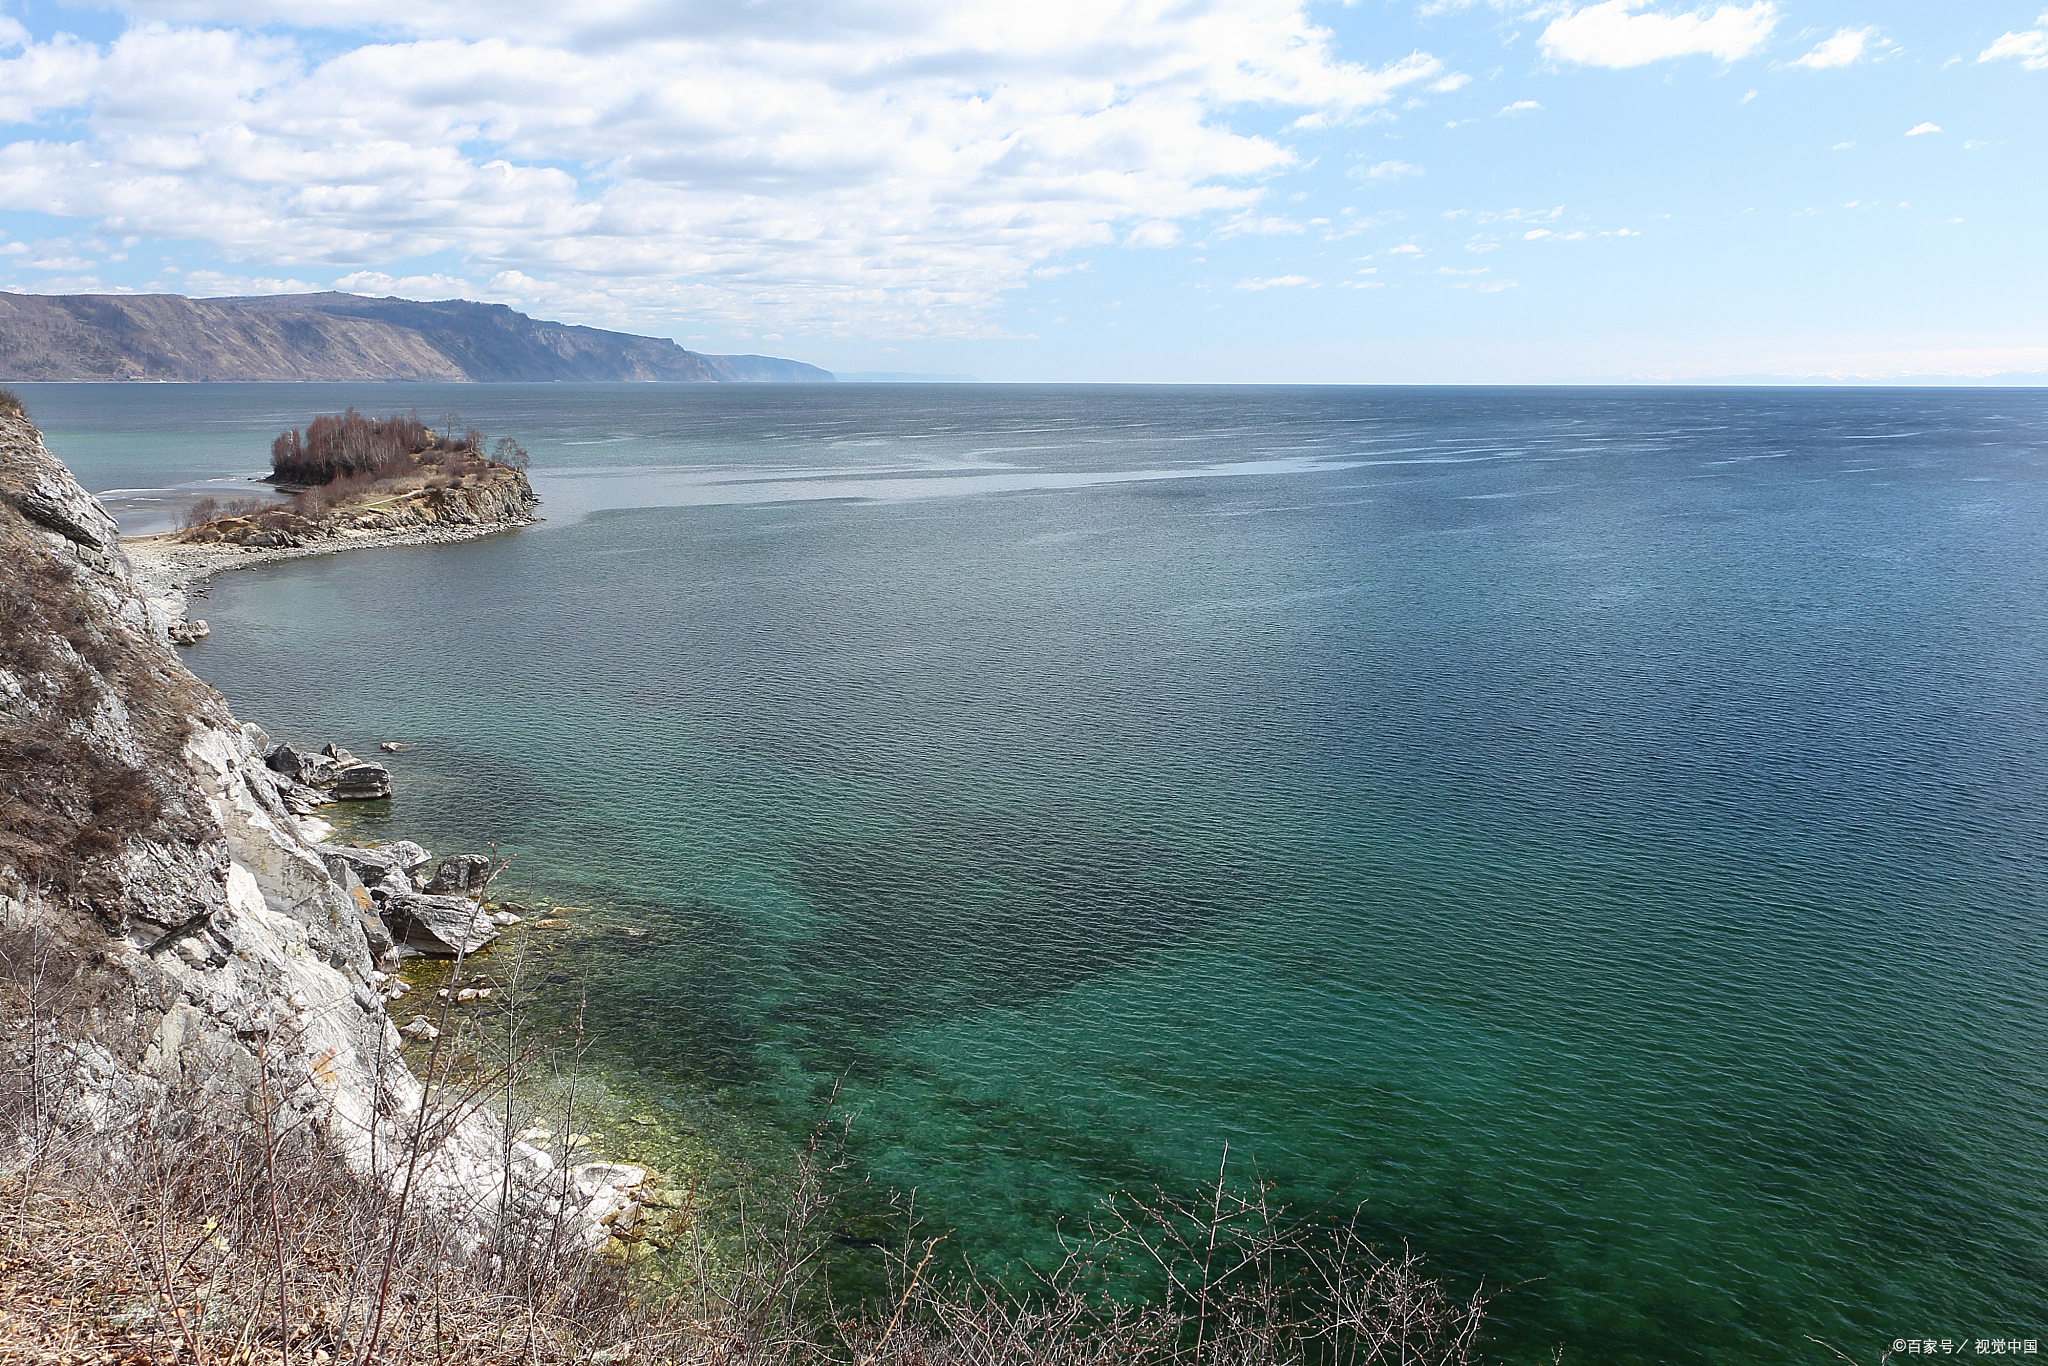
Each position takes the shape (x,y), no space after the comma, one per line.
(335,337)
(147,857)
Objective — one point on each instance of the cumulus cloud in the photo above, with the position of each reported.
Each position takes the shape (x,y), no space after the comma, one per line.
(1518,108)
(1275,282)
(2028,46)
(1844,49)
(1625,33)
(890,165)
(1919,129)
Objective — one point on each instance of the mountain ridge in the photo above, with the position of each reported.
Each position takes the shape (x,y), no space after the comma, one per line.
(335,337)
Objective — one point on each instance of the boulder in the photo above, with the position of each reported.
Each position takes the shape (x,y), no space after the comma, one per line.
(390,746)
(313,770)
(409,857)
(299,799)
(374,870)
(362,782)
(438,924)
(344,873)
(338,754)
(459,873)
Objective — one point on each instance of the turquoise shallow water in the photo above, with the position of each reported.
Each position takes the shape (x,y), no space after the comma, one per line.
(1602,831)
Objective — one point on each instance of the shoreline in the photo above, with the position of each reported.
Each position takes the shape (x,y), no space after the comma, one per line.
(166,569)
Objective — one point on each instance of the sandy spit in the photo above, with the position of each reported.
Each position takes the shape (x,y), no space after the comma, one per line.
(166,568)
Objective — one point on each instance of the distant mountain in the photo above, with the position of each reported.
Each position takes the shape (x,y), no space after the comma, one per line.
(337,337)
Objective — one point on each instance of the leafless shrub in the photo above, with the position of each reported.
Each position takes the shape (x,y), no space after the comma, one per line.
(11,404)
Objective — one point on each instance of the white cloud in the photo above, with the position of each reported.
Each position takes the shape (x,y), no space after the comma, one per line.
(1615,34)
(893,165)
(1457,80)
(1258,225)
(1841,147)
(1385,171)
(1845,48)
(1920,128)
(1406,249)
(1276,282)
(1157,233)
(216,284)
(1518,108)
(2029,46)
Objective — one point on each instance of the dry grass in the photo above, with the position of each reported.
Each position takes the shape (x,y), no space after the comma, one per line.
(68,802)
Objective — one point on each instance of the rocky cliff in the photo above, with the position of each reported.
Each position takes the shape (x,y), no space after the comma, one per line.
(332,337)
(150,857)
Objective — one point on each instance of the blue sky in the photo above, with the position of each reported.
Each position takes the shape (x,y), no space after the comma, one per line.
(1260,190)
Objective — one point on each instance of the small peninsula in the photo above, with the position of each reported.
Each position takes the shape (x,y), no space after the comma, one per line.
(355,482)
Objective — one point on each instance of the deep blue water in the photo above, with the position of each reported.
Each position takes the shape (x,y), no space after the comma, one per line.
(1604,831)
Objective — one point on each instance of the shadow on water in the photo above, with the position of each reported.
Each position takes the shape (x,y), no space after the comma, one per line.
(985,913)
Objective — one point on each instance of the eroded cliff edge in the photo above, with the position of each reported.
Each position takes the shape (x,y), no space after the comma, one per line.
(148,858)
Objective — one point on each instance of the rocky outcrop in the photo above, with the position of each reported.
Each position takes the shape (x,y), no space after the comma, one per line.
(459,873)
(500,498)
(149,850)
(422,916)
(439,924)
(337,337)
